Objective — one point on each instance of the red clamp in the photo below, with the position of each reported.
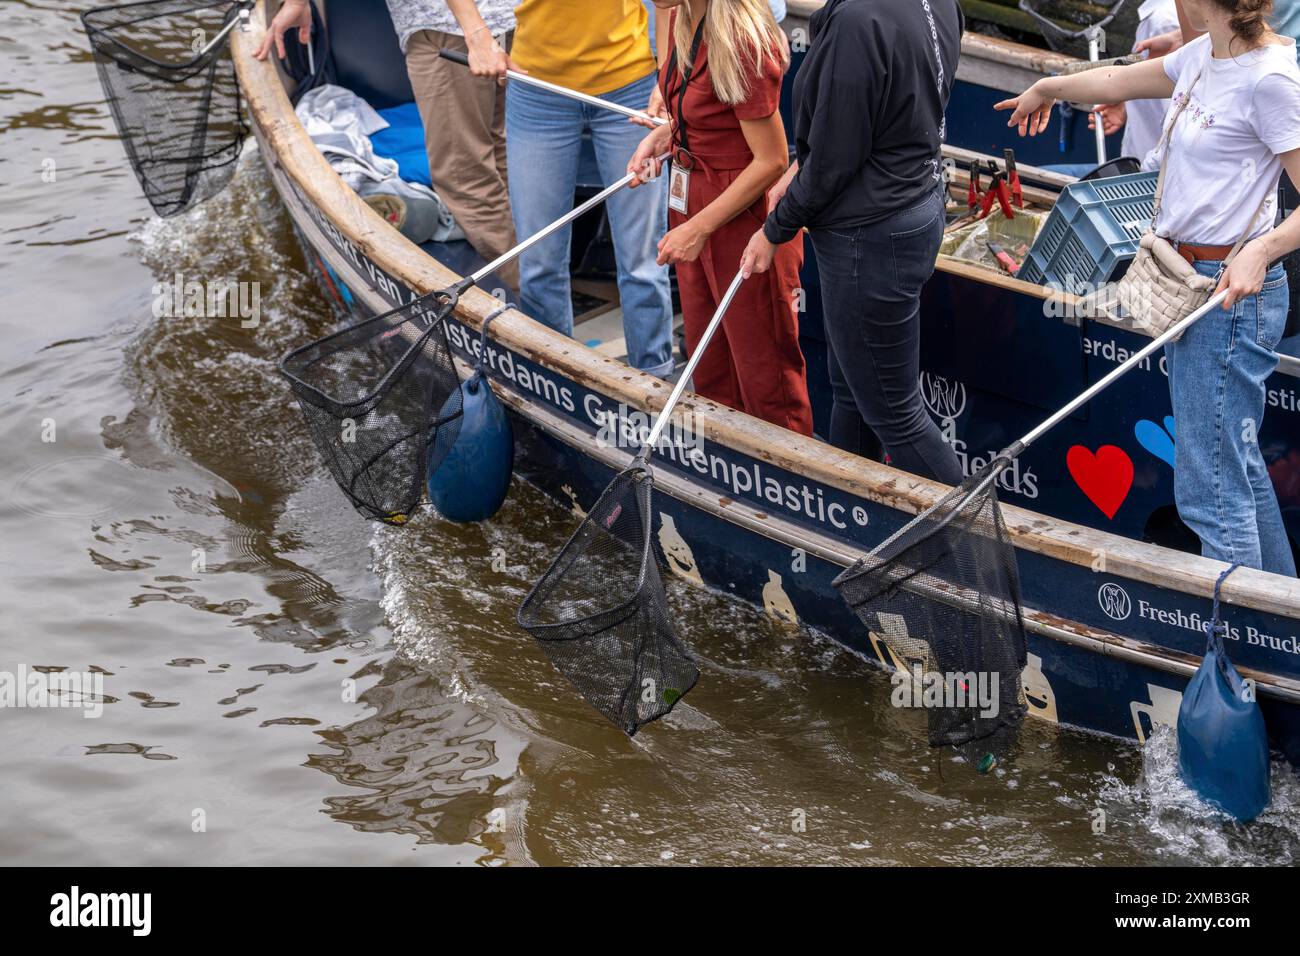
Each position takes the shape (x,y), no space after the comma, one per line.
(998,192)
(1013,178)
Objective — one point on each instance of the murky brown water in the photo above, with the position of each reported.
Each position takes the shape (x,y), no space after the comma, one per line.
(178,535)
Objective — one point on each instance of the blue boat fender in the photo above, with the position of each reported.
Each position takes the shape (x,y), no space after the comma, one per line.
(1222,742)
(469,480)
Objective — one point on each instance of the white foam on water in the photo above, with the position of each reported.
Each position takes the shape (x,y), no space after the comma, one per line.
(415,636)
(1179,827)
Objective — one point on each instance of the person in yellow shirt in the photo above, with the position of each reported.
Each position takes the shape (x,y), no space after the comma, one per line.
(601,48)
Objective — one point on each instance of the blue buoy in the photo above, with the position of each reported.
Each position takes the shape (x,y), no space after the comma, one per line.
(1222,741)
(469,474)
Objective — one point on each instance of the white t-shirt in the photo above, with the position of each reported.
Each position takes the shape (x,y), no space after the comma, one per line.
(1243,112)
(1146,118)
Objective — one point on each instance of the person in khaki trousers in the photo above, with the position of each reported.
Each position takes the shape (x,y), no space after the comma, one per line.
(463,114)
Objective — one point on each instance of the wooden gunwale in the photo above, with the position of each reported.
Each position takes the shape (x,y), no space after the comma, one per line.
(298,159)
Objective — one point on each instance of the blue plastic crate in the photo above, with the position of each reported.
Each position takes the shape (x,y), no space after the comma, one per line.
(1092,232)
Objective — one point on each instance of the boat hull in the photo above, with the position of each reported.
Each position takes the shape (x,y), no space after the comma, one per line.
(995,362)
(780,546)
(770,518)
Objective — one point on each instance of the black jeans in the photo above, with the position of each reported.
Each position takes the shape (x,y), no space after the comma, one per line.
(871,280)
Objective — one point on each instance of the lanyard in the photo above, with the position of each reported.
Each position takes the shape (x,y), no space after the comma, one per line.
(685,78)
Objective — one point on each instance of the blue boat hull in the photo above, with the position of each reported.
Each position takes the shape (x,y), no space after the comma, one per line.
(1066,685)
(1110,652)
(762,536)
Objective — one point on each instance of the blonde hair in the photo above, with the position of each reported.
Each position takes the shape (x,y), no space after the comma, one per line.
(741,35)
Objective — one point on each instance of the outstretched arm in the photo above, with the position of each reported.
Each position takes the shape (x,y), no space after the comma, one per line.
(1032,109)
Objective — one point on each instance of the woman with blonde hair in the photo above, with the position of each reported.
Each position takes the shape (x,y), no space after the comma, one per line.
(1232,129)
(721,85)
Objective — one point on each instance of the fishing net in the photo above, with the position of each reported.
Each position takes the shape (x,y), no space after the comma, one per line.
(1063,23)
(376,397)
(601,615)
(175,101)
(944,594)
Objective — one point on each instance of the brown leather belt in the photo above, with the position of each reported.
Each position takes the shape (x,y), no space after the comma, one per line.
(1195,253)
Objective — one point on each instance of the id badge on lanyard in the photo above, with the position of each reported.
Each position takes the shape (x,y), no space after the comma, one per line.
(679,189)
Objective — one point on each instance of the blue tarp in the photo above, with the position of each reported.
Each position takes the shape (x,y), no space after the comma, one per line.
(403,141)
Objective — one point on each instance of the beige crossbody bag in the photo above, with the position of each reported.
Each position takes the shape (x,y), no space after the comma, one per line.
(1161,287)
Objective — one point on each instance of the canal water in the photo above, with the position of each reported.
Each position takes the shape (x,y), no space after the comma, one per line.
(283,683)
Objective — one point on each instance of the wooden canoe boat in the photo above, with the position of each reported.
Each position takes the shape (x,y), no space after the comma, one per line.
(770,517)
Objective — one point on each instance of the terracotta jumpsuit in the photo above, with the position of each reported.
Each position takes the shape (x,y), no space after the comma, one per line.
(754,362)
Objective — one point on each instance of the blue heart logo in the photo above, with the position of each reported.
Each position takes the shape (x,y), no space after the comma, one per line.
(1159,441)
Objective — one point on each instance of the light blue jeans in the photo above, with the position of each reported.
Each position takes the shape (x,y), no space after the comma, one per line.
(544,138)
(1217,372)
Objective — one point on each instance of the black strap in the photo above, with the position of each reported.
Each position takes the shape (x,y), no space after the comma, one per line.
(685,77)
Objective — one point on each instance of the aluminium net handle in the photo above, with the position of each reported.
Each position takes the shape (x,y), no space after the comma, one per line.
(473,280)
(1098,127)
(667,411)
(240,20)
(1175,330)
(456,56)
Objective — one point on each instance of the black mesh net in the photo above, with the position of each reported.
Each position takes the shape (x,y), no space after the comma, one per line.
(377,396)
(601,614)
(944,594)
(176,106)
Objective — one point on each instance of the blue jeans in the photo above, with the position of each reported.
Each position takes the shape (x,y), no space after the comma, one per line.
(544,138)
(1217,372)
(871,279)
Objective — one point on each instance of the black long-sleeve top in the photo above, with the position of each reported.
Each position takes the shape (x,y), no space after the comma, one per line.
(868,112)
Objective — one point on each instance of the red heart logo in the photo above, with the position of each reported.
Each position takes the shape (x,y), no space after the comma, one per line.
(1105,477)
